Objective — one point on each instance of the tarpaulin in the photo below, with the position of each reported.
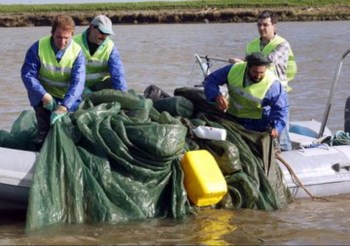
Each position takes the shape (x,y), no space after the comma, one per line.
(117,158)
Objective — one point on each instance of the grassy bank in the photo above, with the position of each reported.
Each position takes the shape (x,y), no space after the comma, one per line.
(195,11)
(194,4)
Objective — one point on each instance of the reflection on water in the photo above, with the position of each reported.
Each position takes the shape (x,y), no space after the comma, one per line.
(163,55)
(305,222)
(213,231)
(209,227)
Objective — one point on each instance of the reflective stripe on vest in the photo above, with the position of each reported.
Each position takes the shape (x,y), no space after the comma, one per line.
(97,64)
(245,102)
(56,76)
(292,69)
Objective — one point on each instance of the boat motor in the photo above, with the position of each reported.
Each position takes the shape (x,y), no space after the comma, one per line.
(347,116)
(330,97)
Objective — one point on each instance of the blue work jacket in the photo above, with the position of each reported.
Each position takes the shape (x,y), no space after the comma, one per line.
(115,64)
(30,75)
(274,104)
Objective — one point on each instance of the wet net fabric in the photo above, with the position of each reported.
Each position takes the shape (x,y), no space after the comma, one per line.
(117,158)
(255,179)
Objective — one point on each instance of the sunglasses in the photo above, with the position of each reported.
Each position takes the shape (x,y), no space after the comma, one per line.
(102,33)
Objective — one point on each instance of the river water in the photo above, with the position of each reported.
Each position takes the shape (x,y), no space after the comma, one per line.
(163,55)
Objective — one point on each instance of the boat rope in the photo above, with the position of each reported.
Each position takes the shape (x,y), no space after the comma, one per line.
(340,138)
(297,180)
(191,74)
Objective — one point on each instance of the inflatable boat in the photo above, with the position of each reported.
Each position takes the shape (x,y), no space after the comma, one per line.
(310,169)
(16,173)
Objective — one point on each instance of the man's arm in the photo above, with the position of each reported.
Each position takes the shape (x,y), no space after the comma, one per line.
(212,87)
(213,81)
(116,69)
(30,75)
(280,53)
(276,99)
(279,58)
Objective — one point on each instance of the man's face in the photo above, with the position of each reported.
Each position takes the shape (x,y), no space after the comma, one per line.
(266,28)
(62,38)
(96,36)
(256,73)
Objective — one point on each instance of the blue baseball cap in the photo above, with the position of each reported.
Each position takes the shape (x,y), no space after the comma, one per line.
(103,23)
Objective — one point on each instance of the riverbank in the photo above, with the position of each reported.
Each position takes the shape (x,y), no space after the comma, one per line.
(203,15)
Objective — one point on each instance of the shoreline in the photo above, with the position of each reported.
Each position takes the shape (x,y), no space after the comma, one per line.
(181,16)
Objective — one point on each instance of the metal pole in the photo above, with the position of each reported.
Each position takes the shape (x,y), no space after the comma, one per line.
(330,97)
(214,58)
(203,65)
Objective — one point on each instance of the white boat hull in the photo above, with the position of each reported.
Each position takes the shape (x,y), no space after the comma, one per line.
(323,171)
(16,173)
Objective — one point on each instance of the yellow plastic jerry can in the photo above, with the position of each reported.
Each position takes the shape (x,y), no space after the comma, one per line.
(204,182)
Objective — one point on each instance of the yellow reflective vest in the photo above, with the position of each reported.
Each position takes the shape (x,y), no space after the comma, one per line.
(53,75)
(254,46)
(245,102)
(96,64)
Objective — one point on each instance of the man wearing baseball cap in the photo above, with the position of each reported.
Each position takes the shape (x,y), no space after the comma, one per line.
(256,100)
(104,67)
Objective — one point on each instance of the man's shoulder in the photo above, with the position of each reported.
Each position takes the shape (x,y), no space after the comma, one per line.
(272,75)
(282,42)
(255,40)
(77,36)
(282,39)
(276,84)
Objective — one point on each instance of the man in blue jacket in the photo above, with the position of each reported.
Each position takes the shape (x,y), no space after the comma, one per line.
(53,73)
(280,53)
(104,67)
(256,100)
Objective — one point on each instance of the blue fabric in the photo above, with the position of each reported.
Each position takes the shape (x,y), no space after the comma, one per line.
(283,137)
(116,69)
(30,75)
(275,102)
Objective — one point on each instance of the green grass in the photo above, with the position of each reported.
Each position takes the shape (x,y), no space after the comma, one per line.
(194,4)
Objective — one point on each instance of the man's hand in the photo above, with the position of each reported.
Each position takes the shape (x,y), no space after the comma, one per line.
(49,102)
(274,133)
(221,103)
(58,114)
(234,60)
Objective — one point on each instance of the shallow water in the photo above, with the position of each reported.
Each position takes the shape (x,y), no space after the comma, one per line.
(304,222)
(163,55)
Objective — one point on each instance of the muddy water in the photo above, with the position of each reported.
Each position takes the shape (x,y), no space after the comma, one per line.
(163,55)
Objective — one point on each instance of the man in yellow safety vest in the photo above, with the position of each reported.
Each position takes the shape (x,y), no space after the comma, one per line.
(53,73)
(279,52)
(256,100)
(104,67)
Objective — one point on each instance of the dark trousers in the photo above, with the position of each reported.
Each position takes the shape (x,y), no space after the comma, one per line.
(106,84)
(43,124)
